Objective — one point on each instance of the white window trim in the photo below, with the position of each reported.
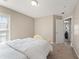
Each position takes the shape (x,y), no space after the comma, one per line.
(9,20)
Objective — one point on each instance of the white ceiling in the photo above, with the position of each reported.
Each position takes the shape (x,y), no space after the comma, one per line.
(45,8)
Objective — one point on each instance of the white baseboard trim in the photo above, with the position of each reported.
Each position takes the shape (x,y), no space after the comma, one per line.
(76,52)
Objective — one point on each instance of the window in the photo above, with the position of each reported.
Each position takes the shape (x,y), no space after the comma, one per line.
(4,28)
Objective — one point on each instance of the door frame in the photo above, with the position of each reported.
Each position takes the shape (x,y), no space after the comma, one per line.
(56,17)
(72,29)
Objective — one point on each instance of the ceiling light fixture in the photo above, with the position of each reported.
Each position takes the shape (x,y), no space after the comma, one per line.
(34,3)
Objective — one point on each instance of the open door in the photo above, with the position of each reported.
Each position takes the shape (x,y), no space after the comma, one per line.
(59,31)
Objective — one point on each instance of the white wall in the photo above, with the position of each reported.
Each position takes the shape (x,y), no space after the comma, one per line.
(44,27)
(75,22)
(21,25)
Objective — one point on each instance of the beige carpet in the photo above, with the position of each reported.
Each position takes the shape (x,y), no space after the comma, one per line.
(62,51)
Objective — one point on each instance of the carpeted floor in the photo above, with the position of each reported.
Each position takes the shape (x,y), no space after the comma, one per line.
(62,51)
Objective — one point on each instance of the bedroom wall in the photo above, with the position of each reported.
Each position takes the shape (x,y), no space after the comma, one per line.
(75,41)
(44,27)
(21,25)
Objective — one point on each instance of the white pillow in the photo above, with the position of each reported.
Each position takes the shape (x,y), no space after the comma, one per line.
(38,37)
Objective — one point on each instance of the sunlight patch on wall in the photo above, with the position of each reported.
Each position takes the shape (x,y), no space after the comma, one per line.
(76,29)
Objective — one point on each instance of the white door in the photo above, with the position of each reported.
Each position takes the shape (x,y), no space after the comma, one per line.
(59,31)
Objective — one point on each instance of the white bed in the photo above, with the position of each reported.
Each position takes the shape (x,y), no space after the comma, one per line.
(27,48)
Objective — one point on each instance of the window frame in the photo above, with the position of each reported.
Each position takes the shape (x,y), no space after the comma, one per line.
(9,23)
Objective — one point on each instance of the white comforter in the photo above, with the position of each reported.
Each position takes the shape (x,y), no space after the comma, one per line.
(27,48)
(8,53)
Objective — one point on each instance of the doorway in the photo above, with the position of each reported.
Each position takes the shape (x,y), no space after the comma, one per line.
(67,30)
(61,25)
(59,29)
